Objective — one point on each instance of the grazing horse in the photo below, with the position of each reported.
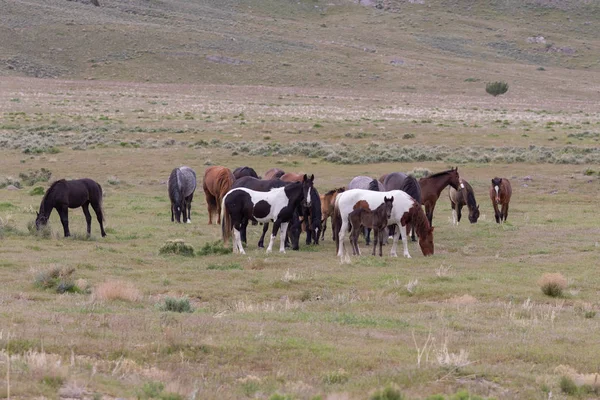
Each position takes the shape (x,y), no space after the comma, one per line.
(274,173)
(327,206)
(368,183)
(500,193)
(181,186)
(241,205)
(461,197)
(406,183)
(405,210)
(376,220)
(244,171)
(217,182)
(260,185)
(63,195)
(432,186)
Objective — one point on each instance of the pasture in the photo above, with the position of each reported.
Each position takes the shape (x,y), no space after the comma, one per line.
(300,325)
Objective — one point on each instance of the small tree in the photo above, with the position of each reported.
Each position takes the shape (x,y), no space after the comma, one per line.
(496,88)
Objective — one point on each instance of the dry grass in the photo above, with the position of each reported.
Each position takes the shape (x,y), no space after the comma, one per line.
(553,284)
(116,290)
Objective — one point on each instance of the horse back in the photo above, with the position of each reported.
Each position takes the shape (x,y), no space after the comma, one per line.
(80,191)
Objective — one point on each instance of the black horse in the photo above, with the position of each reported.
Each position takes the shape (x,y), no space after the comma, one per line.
(63,195)
(245,171)
(409,185)
(241,205)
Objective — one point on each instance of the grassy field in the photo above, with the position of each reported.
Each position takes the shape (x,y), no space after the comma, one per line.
(301,325)
(335,89)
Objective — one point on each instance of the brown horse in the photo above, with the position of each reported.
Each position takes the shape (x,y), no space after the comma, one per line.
(217,182)
(432,186)
(291,177)
(461,197)
(327,206)
(376,220)
(274,173)
(500,193)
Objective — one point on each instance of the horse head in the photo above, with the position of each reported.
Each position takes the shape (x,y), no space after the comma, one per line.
(426,242)
(40,220)
(455,180)
(388,205)
(474,214)
(497,185)
(307,185)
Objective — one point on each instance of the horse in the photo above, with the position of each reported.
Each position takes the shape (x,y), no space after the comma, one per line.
(405,210)
(244,171)
(241,204)
(376,220)
(366,182)
(274,173)
(461,197)
(406,183)
(311,215)
(432,186)
(327,206)
(64,194)
(260,185)
(217,182)
(181,186)
(500,193)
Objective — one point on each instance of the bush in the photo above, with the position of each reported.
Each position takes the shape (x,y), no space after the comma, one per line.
(568,386)
(177,246)
(33,177)
(390,392)
(214,248)
(176,305)
(58,279)
(553,284)
(37,191)
(496,88)
(117,290)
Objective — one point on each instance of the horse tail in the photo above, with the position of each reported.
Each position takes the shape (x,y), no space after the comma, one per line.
(224,183)
(100,202)
(374,185)
(226,224)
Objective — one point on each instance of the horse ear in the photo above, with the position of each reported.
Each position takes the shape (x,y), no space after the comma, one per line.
(37,214)
(478,207)
(312,177)
(305,178)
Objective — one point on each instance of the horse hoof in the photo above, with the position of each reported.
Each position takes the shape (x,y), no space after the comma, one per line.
(189,221)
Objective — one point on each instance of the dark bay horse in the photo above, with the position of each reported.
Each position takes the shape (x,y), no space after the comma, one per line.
(406,183)
(310,213)
(377,220)
(64,194)
(367,183)
(500,193)
(181,186)
(432,186)
(244,171)
(278,205)
(274,173)
(461,197)
(327,206)
(217,182)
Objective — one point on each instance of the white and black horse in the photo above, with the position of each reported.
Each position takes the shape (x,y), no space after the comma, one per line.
(241,205)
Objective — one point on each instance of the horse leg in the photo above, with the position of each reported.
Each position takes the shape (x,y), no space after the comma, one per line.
(88,217)
(282,235)
(276,226)
(401,233)
(172,215)
(100,217)
(63,212)
(324,226)
(375,240)
(496,212)
(184,212)
(261,241)
(429,212)
(458,213)
(237,242)
(341,235)
(505,211)
(381,242)
(189,208)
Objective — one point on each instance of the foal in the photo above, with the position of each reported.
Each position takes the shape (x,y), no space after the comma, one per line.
(500,193)
(376,220)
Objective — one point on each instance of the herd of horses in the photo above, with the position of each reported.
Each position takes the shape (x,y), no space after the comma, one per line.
(392,203)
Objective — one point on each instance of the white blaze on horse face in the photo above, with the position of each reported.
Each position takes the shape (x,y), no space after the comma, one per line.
(308,197)
(497,189)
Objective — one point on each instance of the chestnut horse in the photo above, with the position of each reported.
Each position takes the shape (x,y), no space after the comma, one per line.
(327,206)
(432,186)
(274,173)
(217,182)
(376,220)
(500,193)
(461,197)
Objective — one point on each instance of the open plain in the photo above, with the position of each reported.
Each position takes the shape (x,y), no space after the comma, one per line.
(89,317)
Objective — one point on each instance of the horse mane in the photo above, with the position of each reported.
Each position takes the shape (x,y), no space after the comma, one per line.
(374,185)
(419,220)
(333,191)
(471,202)
(52,188)
(439,173)
(411,186)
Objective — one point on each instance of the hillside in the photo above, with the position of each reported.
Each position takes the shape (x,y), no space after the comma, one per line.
(413,45)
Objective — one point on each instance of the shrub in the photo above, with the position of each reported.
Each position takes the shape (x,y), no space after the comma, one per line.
(58,279)
(339,376)
(44,232)
(215,247)
(37,191)
(552,284)
(33,177)
(390,392)
(176,305)
(568,386)
(224,267)
(117,290)
(177,246)
(496,88)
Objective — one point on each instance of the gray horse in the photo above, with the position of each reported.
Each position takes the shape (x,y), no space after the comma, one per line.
(181,184)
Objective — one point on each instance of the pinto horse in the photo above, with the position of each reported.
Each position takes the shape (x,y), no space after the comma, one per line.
(432,186)
(406,183)
(461,197)
(376,220)
(327,206)
(241,205)
(500,193)
(274,173)
(405,210)
(63,195)
(181,186)
(217,182)
(244,171)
